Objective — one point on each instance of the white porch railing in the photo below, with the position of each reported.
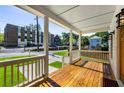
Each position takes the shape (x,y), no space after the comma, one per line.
(23,72)
(75,55)
(101,55)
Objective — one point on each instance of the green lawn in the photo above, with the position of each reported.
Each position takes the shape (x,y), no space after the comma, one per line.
(93,59)
(56,64)
(8,75)
(85,58)
(61,53)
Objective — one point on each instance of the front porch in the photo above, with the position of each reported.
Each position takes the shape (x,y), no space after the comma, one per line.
(91,74)
(78,73)
(81,73)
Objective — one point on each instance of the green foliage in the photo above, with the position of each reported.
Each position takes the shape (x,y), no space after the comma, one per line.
(56,64)
(61,53)
(104,36)
(34,26)
(84,40)
(66,37)
(1,37)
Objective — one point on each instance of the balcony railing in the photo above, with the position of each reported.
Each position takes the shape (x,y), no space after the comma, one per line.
(22,72)
(100,55)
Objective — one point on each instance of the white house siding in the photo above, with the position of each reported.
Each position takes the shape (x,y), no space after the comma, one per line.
(114,61)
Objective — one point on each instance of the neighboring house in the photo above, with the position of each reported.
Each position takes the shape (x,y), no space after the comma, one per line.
(57,40)
(95,42)
(17,36)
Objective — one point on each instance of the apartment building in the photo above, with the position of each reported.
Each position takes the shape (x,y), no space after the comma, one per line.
(17,36)
(11,35)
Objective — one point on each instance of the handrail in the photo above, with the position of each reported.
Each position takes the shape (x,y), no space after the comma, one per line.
(95,51)
(102,55)
(19,60)
(24,70)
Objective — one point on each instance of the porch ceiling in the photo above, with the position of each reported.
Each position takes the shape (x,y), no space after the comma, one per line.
(84,18)
(87,18)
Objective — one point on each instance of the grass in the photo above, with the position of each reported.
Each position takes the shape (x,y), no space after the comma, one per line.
(85,58)
(8,74)
(93,59)
(61,53)
(56,64)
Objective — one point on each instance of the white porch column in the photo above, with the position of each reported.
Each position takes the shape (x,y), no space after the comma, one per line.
(70,47)
(46,30)
(79,44)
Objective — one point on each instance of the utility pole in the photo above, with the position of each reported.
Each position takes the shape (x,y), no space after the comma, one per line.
(37,34)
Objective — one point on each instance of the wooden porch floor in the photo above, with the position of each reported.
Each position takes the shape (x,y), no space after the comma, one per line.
(90,74)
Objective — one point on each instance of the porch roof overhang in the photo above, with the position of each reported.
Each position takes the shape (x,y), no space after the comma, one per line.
(82,19)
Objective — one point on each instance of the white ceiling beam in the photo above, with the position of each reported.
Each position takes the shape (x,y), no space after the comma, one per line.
(41,10)
(102,29)
(96,27)
(81,20)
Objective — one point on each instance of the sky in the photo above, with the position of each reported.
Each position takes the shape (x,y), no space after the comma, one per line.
(13,15)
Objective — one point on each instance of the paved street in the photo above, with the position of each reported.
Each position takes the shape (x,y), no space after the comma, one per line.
(52,57)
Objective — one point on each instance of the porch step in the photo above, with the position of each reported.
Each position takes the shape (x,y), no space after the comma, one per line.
(108,73)
(109,83)
(83,63)
(80,63)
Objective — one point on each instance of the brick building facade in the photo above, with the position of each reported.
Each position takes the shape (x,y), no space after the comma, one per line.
(21,36)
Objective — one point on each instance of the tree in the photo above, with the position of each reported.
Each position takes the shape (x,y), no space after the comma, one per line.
(75,39)
(65,38)
(104,36)
(34,27)
(84,40)
(1,37)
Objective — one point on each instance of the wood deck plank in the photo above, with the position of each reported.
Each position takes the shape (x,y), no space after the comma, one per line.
(90,75)
(90,82)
